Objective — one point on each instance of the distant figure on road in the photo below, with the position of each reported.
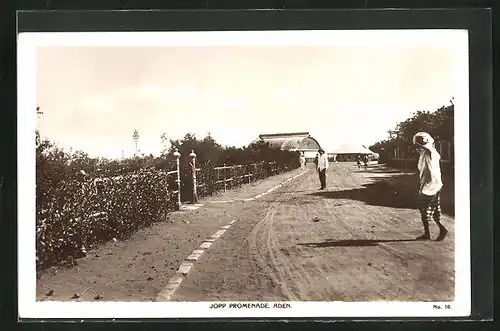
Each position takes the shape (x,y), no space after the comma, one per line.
(322,168)
(302,161)
(430,184)
(358,161)
(365,161)
(316,160)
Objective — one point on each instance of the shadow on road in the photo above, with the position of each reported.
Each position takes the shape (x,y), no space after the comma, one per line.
(298,191)
(377,169)
(352,243)
(397,190)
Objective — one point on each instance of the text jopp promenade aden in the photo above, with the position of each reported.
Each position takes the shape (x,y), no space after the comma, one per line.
(253,305)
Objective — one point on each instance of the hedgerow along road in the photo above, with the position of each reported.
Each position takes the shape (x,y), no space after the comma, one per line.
(353,241)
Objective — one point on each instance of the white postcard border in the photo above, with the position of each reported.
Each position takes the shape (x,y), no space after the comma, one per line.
(30,308)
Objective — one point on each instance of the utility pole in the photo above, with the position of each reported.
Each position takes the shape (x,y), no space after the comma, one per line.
(135,136)
(164,142)
(38,113)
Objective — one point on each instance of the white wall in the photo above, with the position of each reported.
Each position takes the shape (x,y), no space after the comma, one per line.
(310,154)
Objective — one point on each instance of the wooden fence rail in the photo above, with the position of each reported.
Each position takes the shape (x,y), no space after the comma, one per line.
(227,177)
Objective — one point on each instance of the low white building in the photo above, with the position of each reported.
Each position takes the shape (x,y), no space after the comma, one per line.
(350,152)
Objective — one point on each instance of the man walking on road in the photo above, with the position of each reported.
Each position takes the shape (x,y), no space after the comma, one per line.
(302,161)
(322,167)
(430,184)
(365,161)
(358,161)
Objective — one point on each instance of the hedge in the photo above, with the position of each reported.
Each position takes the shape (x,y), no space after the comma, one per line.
(84,213)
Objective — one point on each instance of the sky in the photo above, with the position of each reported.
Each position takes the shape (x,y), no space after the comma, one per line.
(94,97)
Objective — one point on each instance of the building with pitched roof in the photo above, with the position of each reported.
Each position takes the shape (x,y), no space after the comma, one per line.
(295,142)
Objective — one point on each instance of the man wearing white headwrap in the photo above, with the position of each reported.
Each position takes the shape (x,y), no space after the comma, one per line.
(430,184)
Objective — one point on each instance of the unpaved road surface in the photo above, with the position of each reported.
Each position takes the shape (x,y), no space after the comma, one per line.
(351,242)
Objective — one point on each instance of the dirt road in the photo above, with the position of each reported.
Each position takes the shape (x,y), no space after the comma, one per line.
(351,242)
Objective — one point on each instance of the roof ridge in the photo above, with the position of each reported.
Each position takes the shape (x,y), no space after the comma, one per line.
(285,134)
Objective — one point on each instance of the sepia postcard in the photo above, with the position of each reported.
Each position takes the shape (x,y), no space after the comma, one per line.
(244,174)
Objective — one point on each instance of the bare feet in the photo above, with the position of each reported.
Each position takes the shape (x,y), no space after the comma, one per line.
(424,237)
(442,234)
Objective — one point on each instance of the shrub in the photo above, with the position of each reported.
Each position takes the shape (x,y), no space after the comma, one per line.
(82,214)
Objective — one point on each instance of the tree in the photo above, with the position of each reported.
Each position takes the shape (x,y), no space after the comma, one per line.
(439,124)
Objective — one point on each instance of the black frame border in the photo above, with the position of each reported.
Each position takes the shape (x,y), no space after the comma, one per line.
(477,21)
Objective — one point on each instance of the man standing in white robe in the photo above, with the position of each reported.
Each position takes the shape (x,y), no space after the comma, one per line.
(430,184)
(322,168)
(302,161)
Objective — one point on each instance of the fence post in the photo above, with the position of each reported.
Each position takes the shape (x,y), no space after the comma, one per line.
(215,185)
(225,183)
(241,173)
(193,164)
(178,181)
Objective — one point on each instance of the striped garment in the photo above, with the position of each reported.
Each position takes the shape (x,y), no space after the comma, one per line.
(430,207)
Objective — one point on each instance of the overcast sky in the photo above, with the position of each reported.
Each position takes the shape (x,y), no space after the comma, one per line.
(94,97)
